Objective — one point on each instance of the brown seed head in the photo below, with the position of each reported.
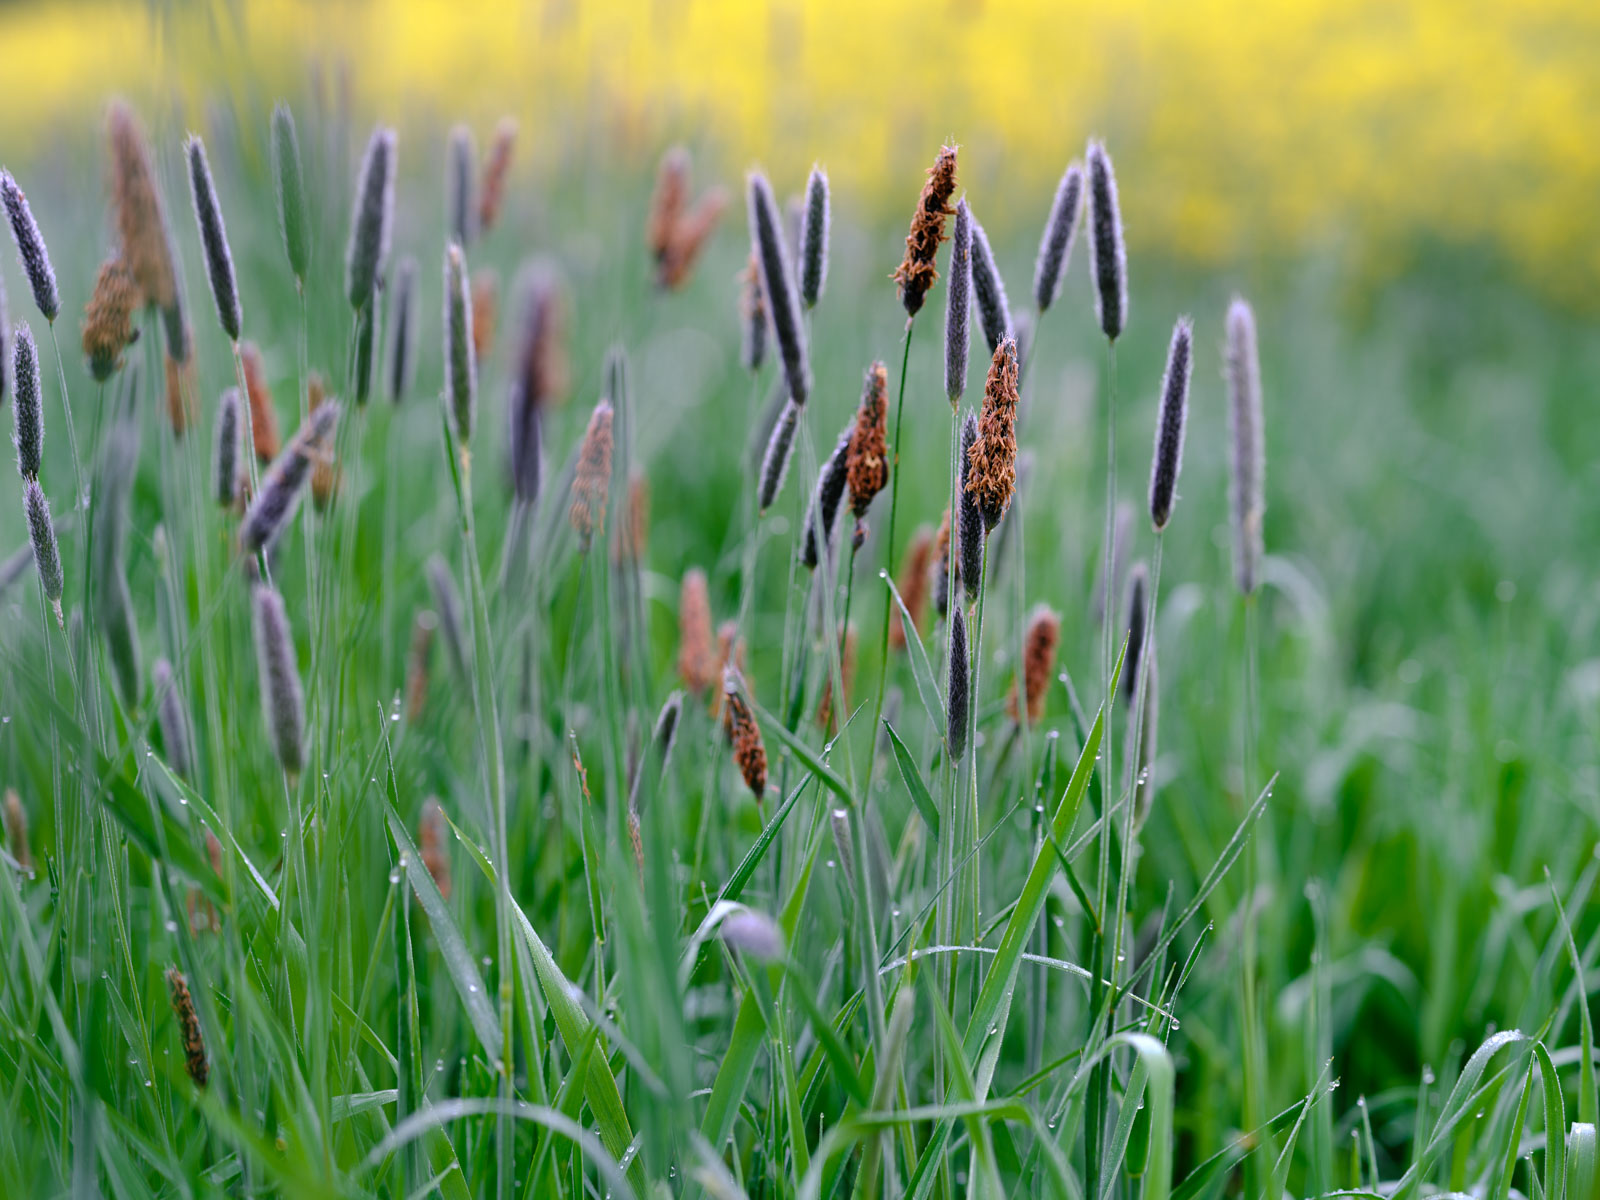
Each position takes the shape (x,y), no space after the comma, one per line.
(744,734)
(485,304)
(993,477)
(592,478)
(434,844)
(141,222)
(730,652)
(194,1042)
(941,566)
(108,327)
(180,393)
(263,417)
(325,473)
(667,204)
(635,530)
(697,665)
(915,570)
(495,170)
(688,236)
(826,719)
(1038,661)
(916,273)
(422,631)
(16,822)
(867,463)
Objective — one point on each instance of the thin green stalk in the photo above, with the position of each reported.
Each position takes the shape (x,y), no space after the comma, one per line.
(1146,655)
(969,844)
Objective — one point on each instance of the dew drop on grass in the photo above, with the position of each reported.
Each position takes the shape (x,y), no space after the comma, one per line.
(394,876)
(172,927)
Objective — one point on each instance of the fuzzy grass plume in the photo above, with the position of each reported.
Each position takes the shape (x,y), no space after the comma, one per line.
(16,823)
(423,627)
(496,170)
(28,408)
(1039,644)
(969,531)
(485,312)
(460,170)
(775,463)
(142,224)
(173,719)
(749,753)
(289,191)
(814,224)
(826,499)
(591,481)
(282,702)
(1136,614)
(225,456)
(916,273)
(697,664)
(108,327)
(957,698)
(941,566)
(1108,258)
(461,367)
(912,582)
(213,238)
(264,433)
(194,1043)
(372,219)
(958,307)
(777,286)
(541,372)
(668,203)
(285,480)
(867,464)
(1167,459)
(989,290)
(1248,455)
(993,456)
(401,364)
(42,536)
(32,256)
(1060,233)
(433,843)
(752,317)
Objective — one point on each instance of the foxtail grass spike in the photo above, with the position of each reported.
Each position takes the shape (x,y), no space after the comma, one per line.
(461,164)
(957,700)
(958,306)
(31,253)
(213,238)
(912,582)
(1168,457)
(372,218)
(777,287)
(294,219)
(541,371)
(108,327)
(1108,258)
(460,366)
(969,521)
(42,533)
(689,236)
(749,753)
(752,317)
(142,225)
(825,501)
(495,172)
(665,735)
(591,480)
(452,618)
(1135,623)
(285,480)
(1060,232)
(16,823)
(994,478)
(867,464)
(225,454)
(325,471)
(697,663)
(916,273)
(1249,459)
(194,1043)
(814,238)
(281,699)
(174,720)
(29,415)
(780,447)
(989,290)
(5,346)
(1039,644)
(668,203)
(264,433)
(753,934)
(402,361)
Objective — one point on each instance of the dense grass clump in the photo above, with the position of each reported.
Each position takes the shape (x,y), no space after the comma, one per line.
(558,801)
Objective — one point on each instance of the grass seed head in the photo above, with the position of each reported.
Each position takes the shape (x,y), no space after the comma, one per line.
(778,287)
(1060,232)
(496,169)
(915,569)
(461,367)
(485,311)
(108,327)
(969,530)
(957,690)
(263,416)
(460,170)
(993,480)
(180,380)
(668,203)
(5,345)
(433,843)
(142,222)
(689,236)
(423,627)
(752,317)
(753,934)
(916,273)
(591,481)
(1134,622)
(743,732)
(325,472)
(28,417)
(1039,643)
(541,374)
(213,238)
(1248,445)
(1141,757)
(402,360)
(282,702)
(32,255)
(780,448)
(289,189)
(867,467)
(1108,258)
(16,822)
(697,664)
(225,464)
(372,218)
(364,354)
(958,306)
(42,535)
(285,480)
(989,290)
(194,1042)
(941,567)
(1168,457)
(814,224)
(825,501)
(173,718)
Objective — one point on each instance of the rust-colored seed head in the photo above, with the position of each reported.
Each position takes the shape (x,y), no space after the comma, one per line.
(485,306)
(325,472)
(916,273)
(16,822)
(635,531)
(180,394)
(697,665)
(592,479)
(730,653)
(993,477)
(826,719)
(667,204)
(941,567)
(434,845)
(108,327)
(744,734)
(263,417)
(1038,661)
(915,569)
(495,170)
(867,465)
(689,235)
(141,221)
(422,631)
(194,1042)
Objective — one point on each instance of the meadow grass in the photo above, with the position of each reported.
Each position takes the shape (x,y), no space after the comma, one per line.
(486,927)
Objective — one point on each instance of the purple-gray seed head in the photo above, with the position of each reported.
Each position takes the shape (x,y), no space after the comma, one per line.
(294,221)
(1174,413)
(777,286)
(989,290)
(174,720)
(826,501)
(1108,258)
(1060,232)
(447,602)
(1138,607)
(282,702)
(957,698)
(1249,461)
(780,447)
(285,480)
(31,252)
(213,238)
(29,415)
(814,238)
(958,306)
(539,372)
(42,533)
(225,453)
(753,934)
(402,361)
(969,531)
(372,218)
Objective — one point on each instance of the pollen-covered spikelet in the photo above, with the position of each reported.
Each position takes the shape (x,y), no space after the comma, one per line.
(916,273)
(485,308)
(180,379)
(423,628)
(668,202)
(1039,645)
(1108,257)
(433,842)
(993,456)
(957,693)
(371,218)
(194,1043)
(634,533)
(16,823)
(108,327)
(282,701)
(213,238)
(915,569)
(326,475)
(460,366)
(591,481)
(1060,230)
(778,286)
(496,169)
(867,466)
(281,484)
(730,653)
(827,721)
(688,237)
(697,664)
(744,734)
(141,220)
(31,251)
(202,913)
(263,417)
